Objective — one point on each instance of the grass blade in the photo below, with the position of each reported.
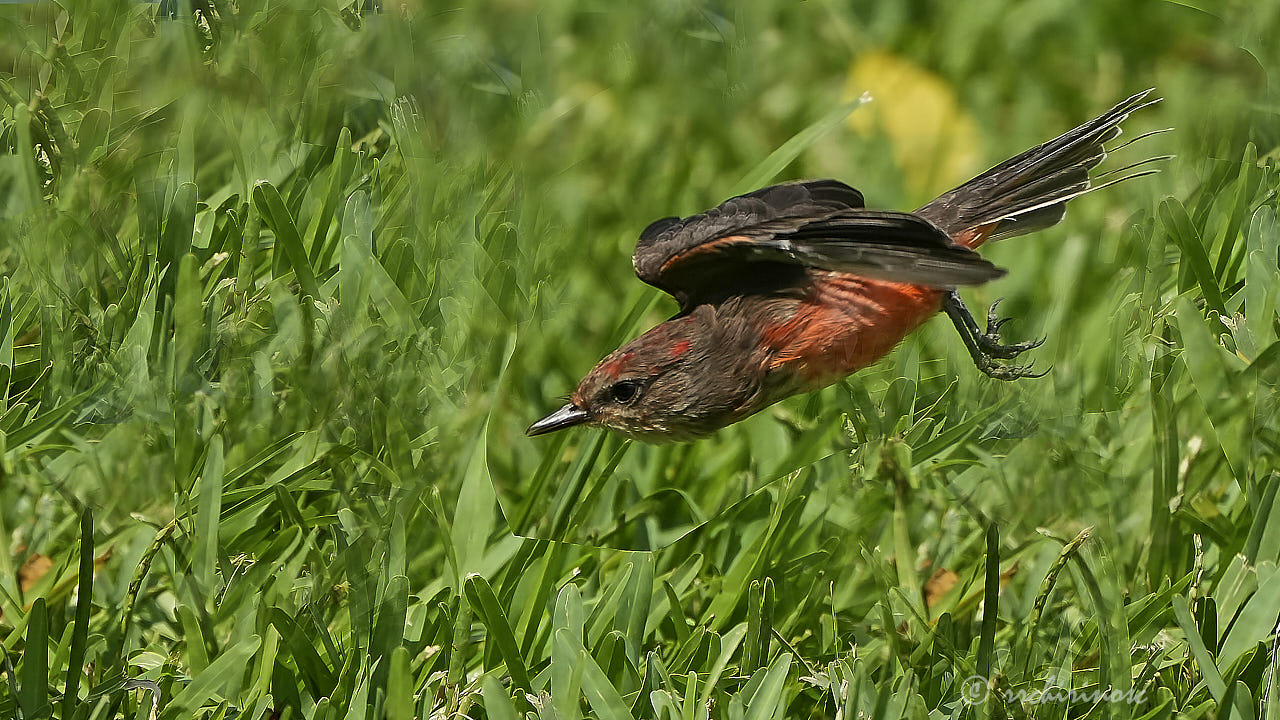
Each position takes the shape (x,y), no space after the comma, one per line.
(271,207)
(209,516)
(1205,661)
(84,606)
(601,695)
(497,703)
(34,694)
(1179,226)
(767,702)
(495,621)
(779,159)
(228,668)
(990,605)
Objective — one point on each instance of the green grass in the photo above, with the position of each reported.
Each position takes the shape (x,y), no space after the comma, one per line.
(283,284)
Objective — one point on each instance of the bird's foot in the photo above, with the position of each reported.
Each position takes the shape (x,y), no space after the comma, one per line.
(986,348)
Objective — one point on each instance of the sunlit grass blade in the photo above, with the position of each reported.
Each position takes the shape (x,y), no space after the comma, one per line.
(767,700)
(600,693)
(497,703)
(229,666)
(175,239)
(388,631)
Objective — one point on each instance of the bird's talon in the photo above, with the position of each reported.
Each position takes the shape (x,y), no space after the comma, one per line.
(991,368)
(990,345)
(993,320)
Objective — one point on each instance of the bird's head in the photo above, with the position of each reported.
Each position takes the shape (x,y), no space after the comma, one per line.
(670,384)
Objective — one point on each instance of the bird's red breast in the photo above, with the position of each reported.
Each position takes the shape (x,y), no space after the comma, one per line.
(845,323)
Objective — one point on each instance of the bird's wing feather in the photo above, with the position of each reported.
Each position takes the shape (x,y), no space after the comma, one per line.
(670,236)
(1029,192)
(819,224)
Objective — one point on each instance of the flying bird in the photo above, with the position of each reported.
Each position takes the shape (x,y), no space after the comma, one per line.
(792,287)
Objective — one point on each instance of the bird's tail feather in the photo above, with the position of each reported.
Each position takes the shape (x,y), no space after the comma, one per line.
(1030,191)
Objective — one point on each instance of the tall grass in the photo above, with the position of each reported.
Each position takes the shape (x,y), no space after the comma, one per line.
(284,282)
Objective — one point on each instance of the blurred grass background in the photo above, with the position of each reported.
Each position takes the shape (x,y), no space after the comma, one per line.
(284,282)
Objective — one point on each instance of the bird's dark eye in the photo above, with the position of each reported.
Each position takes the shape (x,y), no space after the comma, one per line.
(625,391)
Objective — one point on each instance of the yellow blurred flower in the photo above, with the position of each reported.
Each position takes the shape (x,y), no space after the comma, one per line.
(934,141)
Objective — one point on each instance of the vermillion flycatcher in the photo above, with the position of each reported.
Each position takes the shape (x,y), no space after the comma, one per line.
(792,287)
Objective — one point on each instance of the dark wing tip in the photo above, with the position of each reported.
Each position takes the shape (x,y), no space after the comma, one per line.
(649,254)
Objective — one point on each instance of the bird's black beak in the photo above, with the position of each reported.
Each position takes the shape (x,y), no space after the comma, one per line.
(567,416)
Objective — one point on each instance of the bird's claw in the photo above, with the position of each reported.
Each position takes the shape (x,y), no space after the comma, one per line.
(989,342)
(1007,372)
(994,321)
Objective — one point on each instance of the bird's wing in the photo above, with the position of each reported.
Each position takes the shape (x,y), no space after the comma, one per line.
(819,224)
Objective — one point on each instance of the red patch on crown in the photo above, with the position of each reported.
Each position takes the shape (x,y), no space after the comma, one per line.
(615,366)
(680,348)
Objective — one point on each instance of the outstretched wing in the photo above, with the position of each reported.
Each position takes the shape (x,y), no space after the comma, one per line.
(820,224)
